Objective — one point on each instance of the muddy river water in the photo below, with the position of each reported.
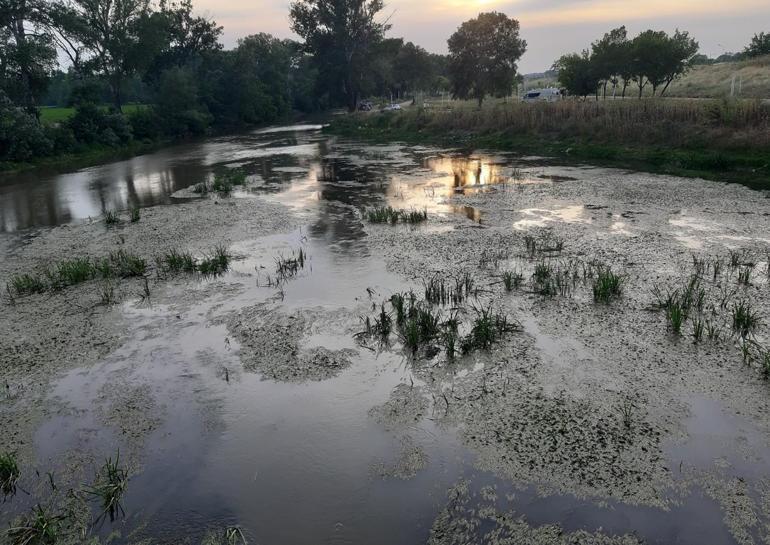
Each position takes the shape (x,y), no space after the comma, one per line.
(242,402)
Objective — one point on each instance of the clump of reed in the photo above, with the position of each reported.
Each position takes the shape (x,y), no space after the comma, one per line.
(225,181)
(176,262)
(111,217)
(388,214)
(548,243)
(745,319)
(488,327)
(441,291)
(77,270)
(607,285)
(512,280)
(9,473)
(40,527)
(288,267)
(134,214)
(216,262)
(111,483)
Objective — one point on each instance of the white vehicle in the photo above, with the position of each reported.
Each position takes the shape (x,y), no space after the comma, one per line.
(391,107)
(549,94)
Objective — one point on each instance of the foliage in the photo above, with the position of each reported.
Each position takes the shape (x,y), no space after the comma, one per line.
(483,54)
(759,46)
(578,74)
(341,35)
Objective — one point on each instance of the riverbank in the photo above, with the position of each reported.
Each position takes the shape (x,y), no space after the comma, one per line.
(716,140)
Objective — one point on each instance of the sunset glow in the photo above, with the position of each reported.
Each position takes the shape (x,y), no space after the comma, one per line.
(551,28)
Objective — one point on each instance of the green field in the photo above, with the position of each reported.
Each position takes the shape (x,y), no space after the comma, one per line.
(57,115)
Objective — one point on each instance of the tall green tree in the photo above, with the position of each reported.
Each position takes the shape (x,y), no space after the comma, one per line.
(610,55)
(27,53)
(340,34)
(677,58)
(578,74)
(110,32)
(483,56)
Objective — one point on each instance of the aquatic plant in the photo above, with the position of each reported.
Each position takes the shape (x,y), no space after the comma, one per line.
(74,271)
(134,214)
(26,284)
(388,214)
(607,285)
(225,181)
(697,329)
(111,483)
(745,319)
(488,327)
(744,275)
(37,528)
(546,244)
(713,331)
(9,473)
(126,265)
(288,267)
(676,316)
(439,291)
(512,280)
(764,363)
(414,216)
(217,262)
(111,217)
(176,262)
(107,294)
(382,214)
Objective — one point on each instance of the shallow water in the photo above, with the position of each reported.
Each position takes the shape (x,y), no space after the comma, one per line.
(297,462)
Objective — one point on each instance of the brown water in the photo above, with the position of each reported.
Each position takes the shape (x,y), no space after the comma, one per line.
(292,462)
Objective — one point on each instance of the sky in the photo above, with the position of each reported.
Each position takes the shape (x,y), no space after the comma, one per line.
(551,27)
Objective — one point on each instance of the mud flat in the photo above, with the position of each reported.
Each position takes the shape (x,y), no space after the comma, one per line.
(270,398)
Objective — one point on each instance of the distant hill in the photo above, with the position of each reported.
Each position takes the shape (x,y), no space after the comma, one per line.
(752,80)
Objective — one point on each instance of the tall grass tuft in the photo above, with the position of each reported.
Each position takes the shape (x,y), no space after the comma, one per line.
(512,280)
(607,285)
(110,486)
(177,262)
(111,217)
(488,327)
(9,473)
(218,262)
(388,214)
(27,284)
(134,214)
(37,528)
(676,316)
(745,319)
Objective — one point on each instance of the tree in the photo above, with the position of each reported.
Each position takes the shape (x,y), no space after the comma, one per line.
(413,68)
(578,74)
(678,55)
(610,56)
(340,34)
(760,45)
(483,54)
(109,31)
(27,54)
(646,51)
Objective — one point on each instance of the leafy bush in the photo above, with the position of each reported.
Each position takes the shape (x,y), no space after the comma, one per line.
(21,136)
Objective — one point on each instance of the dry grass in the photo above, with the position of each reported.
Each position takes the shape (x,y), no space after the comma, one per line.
(739,124)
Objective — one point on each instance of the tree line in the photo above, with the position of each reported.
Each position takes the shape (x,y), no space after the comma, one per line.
(653,58)
(173,61)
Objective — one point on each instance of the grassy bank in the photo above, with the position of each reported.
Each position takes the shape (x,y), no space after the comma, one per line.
(719,140)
